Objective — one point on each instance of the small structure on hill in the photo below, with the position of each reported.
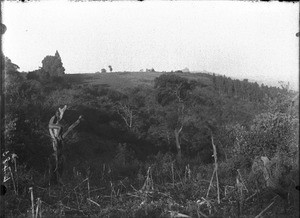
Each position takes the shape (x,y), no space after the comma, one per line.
(185,70)
(150,70)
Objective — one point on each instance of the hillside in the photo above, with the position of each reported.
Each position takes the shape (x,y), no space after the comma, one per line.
(123,80)
(143,144)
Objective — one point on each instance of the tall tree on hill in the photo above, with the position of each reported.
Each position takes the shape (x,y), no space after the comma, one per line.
(53,65)
(110,68)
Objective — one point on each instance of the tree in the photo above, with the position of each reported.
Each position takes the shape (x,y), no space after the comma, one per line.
(10,67)
(172,93)
(39,75)
(132,109)
(110,68)
(3,28)
(13,81)
(57,169)
(23,120)
(125,111)
(10,96)
(53,65)
(103,70)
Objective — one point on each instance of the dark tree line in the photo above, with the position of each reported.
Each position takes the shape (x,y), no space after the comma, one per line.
(244,89)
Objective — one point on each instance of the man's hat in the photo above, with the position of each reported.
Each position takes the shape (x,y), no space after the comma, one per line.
(3,28)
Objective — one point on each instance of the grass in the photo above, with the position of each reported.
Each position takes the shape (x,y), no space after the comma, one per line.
(123,80)
(159,188)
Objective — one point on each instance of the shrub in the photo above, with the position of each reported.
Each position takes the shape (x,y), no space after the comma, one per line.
(269,134)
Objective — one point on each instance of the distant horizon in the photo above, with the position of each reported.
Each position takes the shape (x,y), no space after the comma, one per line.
(266,82)
(252,40)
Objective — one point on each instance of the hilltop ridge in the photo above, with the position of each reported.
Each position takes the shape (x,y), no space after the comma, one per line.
(121,80)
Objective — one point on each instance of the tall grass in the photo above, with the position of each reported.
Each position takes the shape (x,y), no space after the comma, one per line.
(160,187)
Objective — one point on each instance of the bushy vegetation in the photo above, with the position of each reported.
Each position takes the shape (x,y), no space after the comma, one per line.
(146,150)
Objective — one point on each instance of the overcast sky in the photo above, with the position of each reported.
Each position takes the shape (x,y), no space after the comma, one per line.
(249,39)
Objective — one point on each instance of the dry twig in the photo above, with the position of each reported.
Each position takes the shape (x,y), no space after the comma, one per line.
(90,200)
(261,213)
(32,201)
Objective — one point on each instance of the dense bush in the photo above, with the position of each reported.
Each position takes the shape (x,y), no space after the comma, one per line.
(268,134)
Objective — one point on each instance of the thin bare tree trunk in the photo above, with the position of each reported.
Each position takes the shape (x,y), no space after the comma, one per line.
(126,113)
(59,161)
(216,166)
(215,172)
(178,146)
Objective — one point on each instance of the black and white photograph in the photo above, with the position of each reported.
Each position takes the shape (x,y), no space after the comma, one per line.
(154,108)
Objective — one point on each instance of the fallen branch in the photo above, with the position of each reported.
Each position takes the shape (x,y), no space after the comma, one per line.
(261,213)
(97,189)
(80,183)
(203,180)
(242,180)
(69,208)
(251,196)
(201,213)
(134,188)
(177,214)
(133,195)
(90,200)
